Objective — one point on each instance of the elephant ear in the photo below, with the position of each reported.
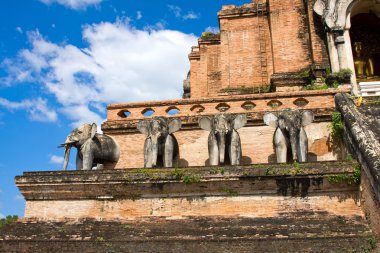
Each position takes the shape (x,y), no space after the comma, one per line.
(307,118)
(239,121)
(94,127)
(205,123)
(144,127)
(270,119)
(174,125)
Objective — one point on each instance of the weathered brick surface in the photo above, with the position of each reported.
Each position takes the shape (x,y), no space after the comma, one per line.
(255,41)
(370,206)
(240,57)
(256,138)
(244,206)
(290,39)
(258,190)
(317,99)
(256,142)
(295,232)
(317,36)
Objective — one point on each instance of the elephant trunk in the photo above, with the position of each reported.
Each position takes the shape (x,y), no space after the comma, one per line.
(66,156)
(221,146)
(155,144)
(294,143)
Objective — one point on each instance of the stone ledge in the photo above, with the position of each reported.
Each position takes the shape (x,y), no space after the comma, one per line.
(272,180)
(261,96)
(252,9)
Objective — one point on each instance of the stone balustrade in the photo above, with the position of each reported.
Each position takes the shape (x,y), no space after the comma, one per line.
(251,104)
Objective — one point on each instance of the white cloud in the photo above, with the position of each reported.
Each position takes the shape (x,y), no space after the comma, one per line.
(190,15)
(212,29)
(73,4)
(177,11)
(19,29)
(56,159)
(121,64)
(138,15)
(2,216)
(37,109)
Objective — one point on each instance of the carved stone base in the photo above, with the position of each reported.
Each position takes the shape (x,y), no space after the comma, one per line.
(254,190)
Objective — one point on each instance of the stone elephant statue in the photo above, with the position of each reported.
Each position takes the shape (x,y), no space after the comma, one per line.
(93,149)
(290,138)
(161,146)
(224,145)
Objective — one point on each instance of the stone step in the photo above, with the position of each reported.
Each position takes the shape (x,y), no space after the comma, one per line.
(289,232)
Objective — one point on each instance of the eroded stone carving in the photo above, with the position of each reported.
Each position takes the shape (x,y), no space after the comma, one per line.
(290,138)
(160,147)
(224,145)
(333,12)
(93,149)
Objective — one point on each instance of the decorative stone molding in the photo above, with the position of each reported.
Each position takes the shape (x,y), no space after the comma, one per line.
(333,12)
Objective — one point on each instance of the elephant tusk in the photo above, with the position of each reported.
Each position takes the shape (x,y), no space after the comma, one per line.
(66,144)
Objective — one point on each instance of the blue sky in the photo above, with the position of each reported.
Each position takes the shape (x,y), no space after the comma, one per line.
(63,61)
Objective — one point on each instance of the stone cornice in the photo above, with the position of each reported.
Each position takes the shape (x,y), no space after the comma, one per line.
(231,11)
(182,182)
(257,96)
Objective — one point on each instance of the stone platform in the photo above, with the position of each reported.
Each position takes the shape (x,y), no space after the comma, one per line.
(310,207)
(249,191)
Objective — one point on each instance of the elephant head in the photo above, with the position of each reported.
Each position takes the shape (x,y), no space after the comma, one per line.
(91,147)
(290,133)
(223,139)
(161,147)
(77,138)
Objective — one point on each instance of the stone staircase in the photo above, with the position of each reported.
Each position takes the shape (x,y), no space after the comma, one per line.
(295,232)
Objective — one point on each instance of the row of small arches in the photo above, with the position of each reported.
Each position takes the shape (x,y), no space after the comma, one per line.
(222,107)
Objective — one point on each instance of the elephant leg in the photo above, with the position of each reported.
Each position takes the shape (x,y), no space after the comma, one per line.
(88,160)
(168,152)
(281,146)
(148,153)
(234,148)
(79,161)
(213,150)
(303,146)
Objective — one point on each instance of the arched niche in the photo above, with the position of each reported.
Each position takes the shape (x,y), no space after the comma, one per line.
(365,41)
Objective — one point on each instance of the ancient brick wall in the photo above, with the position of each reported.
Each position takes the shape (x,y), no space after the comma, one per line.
(245,46)
(290,38)
(198,87)
(317,37)
(242,206)
(256,141)
(260,190)
(300,232)
(257,40)
(240,56)
(256,138)
(207,81)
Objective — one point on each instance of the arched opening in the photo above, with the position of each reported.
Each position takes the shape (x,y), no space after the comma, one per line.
(172,110)
(365,40)
(147,112)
